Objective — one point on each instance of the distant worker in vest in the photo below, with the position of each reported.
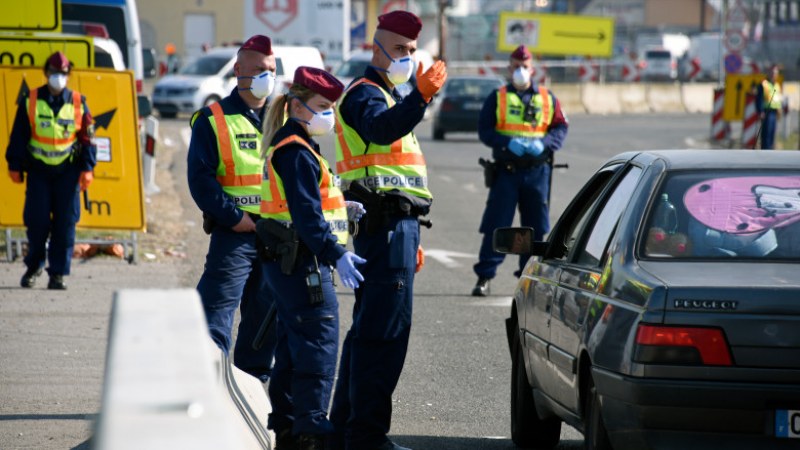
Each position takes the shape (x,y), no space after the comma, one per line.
(224,174)
(523,124)
(301,195)
(51,142)
(769,102)
(380,161)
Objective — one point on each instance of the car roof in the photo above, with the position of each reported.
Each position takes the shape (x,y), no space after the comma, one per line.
(716,159)
(222,51)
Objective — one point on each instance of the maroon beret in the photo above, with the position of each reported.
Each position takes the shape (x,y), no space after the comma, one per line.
(258,43)
(522,53)
(403,23)
(58,61)
(319,81)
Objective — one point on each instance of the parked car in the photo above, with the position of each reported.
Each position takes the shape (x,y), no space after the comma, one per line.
(659,65)
(210,77)
(663,310)
(459,103)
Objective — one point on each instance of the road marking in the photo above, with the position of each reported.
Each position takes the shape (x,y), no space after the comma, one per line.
(470,187)
(447,178)
(445,257)
(496,301)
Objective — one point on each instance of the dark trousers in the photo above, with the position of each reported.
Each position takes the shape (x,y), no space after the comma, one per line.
(52,208)
(768,126)
(232,279)
(305,357)
(374,349)
(527,188)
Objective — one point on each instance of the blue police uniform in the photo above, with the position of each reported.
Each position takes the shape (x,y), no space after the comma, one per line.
(232,277)
(52,205)
(517,181)
(375,347)
(308,335)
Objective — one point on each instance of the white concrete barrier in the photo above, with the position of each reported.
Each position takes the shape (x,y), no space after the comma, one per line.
(698,97)
(167,385)
(569,96)
(600,99)
(632,98)
(664,98)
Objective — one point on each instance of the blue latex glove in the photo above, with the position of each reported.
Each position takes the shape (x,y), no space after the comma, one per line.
(355,211)
(348,273)
(534,147)
(517,146)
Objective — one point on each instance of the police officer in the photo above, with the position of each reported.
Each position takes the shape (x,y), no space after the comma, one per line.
(376,149)
(51,142)
(523,124)
(769,101)
(301,191)
(224,173)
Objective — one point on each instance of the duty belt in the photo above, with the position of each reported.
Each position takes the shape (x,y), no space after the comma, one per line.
(50,154)
(523,164)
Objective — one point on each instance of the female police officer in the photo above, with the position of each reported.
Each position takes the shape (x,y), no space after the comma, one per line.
(300,194)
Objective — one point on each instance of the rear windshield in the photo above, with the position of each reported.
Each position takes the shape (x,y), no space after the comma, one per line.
(471,87)
(658,54)
(352,68)
(725,215)
(205,65)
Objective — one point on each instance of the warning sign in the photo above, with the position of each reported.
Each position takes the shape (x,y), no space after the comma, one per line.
(737,86)
(18,50)
(30,16)
(115,200)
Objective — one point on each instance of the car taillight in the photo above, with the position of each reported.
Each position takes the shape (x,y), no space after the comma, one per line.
(657,344)
(95,29)
(447,105)
(138,86)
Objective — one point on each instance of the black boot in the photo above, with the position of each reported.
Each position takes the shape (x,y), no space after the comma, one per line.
(29,279)
(284,440)
(310,442)
(481,288)
(56,282)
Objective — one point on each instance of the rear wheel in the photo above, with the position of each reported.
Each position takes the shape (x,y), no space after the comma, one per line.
(596,436)
(438,134)
(527,429)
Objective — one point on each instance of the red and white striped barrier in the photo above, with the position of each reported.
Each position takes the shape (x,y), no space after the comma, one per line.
(694,70)
(720,129)
(751,67)
(589,71)
(630,71)
(539,75)
(750,123)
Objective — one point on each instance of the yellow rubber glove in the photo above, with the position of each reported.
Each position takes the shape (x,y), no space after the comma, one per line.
(15,176)
(86,179)
(432,80)
(420,258)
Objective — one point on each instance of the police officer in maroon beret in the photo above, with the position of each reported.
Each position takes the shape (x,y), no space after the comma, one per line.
(300,191)
(51,142)
(376,149)
(224,174)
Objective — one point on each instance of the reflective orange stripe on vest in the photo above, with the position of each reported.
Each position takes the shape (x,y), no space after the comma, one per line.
(230,178)
(76,104)
(502,125)
(278,204)
(394,158)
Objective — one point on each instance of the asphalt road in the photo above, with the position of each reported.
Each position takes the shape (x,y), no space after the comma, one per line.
(454,392)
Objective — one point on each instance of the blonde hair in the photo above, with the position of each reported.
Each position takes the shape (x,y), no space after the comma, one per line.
(277,113)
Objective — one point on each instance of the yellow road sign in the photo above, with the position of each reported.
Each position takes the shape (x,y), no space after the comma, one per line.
(30,15)
(556,34)
(737,86)
(19,50)
(115,198)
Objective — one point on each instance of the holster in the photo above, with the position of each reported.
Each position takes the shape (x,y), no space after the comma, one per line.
(278,241)
(208,223)
(489,171)
(382,206)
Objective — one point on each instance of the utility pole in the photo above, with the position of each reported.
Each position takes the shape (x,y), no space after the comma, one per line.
(442,28)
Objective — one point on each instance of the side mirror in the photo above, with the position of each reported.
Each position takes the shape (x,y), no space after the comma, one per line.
(517,241)
(144,105)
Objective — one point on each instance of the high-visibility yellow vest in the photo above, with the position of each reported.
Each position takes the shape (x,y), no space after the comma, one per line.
(240,162)
(53,137)
(510,114)
(273,196)
(399,165)
(772,95)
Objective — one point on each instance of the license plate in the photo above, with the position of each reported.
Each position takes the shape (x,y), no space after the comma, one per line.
(473,106)
(787,423)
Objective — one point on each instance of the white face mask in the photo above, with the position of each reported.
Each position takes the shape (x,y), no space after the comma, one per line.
(521,77)
(262,85)
(399,70)
(57,81)
(321,122)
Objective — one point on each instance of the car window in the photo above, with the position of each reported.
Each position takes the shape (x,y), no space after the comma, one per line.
(205,65)
(352,68)
(278,67)
(658,54)
(725,215)
(102,58)
(471,88)
(606,223)
(579,211)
